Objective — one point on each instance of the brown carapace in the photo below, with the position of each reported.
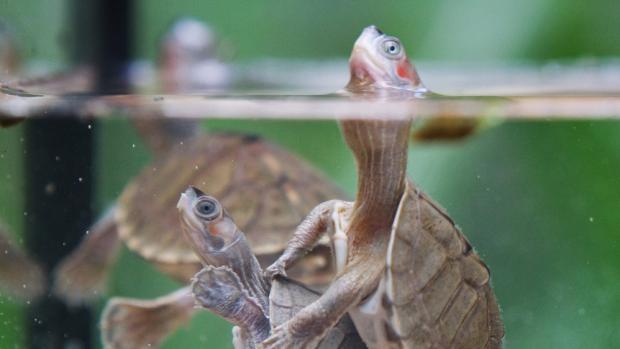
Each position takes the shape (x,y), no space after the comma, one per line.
(268,188)
(435,292)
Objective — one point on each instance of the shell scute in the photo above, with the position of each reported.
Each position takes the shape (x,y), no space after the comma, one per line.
(437,295)
(441,229)
(474,271)
(464,300)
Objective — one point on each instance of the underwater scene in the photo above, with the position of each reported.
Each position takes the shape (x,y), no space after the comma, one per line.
(350,174)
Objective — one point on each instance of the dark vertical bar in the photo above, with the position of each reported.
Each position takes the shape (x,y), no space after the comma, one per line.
(60,172)
(59,163)
(115,19)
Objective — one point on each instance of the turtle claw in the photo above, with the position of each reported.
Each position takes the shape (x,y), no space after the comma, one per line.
(276,269)
(282,338)
(241,339)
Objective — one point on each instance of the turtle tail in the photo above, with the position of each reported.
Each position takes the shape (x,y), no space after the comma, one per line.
(82,276)
(133,323)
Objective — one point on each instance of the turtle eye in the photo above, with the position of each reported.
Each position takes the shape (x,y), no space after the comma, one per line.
(391,48)
(207,209)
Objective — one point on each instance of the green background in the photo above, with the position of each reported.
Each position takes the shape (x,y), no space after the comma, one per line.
(539,201)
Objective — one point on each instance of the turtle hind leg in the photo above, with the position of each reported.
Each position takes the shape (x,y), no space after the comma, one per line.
(82,276)
(131,323)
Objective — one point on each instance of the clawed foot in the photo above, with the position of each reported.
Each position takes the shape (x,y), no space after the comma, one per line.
(282,338)
(216,288)
(274,270)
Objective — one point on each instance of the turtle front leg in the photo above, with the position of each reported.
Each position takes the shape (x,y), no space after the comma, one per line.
(308,327)
(221,291)
(306,236)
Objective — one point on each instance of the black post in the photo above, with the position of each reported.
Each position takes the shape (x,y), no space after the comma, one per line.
(115,21)
(59,164)
(60,171)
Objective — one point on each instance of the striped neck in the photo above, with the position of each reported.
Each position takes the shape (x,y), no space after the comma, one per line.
(380,148)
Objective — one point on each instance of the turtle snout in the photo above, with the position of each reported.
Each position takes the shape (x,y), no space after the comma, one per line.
(188,197)
(182,200)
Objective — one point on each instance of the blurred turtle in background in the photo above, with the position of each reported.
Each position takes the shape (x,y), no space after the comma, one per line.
(266,188)
(21,277)
(406,274)
(10,63)
(188,59)
(232,284)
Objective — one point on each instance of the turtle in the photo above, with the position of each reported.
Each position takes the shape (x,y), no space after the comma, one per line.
(21,277)
(240,169)
(410,278)
(232,284)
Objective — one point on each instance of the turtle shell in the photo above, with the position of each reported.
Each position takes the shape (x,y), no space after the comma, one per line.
(266,189)
(436,291)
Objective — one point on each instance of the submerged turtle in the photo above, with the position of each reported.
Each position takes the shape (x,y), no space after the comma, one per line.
(409,278)
(20,276)
(266,188)
(232,284)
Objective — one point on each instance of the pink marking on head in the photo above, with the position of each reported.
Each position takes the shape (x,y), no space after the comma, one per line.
(405,70)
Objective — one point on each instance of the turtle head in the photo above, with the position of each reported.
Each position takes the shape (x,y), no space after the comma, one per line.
(379,61)
(206,224)
(189,39)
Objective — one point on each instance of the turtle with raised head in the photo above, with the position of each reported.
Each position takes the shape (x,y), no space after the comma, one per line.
(266,188)
(232,284)
(409,278)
